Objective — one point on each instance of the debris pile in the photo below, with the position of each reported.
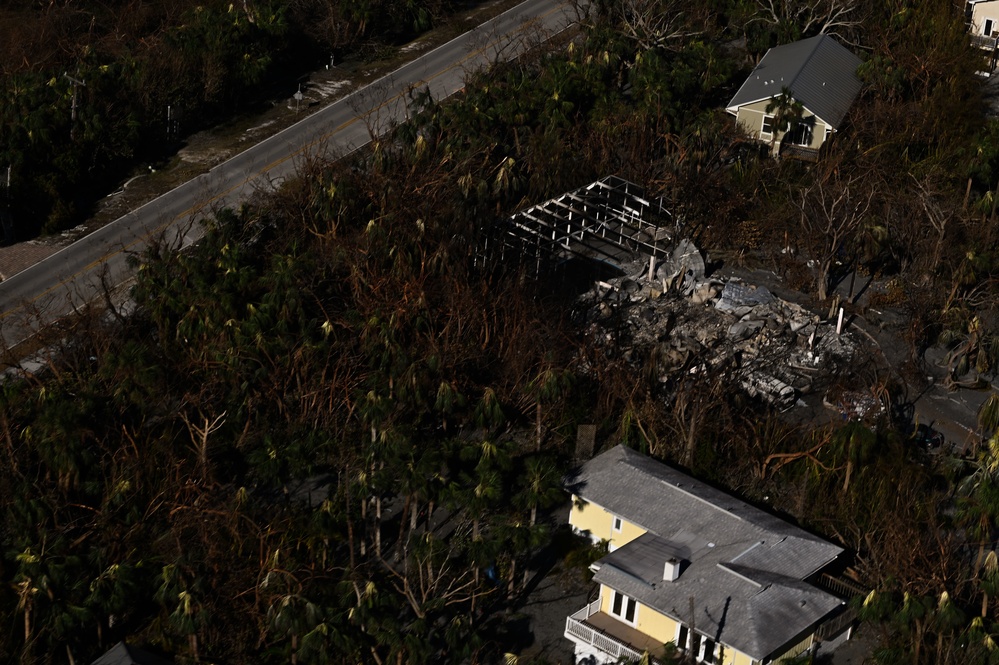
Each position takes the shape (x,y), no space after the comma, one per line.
(670,310)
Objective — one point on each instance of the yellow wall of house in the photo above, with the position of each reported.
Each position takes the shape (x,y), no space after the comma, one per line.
(606,594)
(981,12)
(599,522)
(798,649)
(750,118)
(663,629)
(658,626)
(732,657)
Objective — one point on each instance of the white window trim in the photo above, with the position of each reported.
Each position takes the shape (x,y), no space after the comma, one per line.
(616,524)
(763,126)
(700,656)
(704,657)
(986,25)
(624,608)
(676,637)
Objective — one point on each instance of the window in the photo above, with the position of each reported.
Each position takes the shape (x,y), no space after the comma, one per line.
(800,135)
(987,31)
(681,637)
(617,524)
(768,125)
(624,608)
(707,654)
(701,648)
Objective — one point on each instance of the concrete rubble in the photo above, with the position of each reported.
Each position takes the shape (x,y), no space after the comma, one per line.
(671,310)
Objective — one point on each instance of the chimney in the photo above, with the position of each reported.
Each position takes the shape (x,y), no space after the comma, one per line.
(672,570)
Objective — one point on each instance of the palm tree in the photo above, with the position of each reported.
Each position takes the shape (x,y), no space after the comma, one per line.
(947,619)
(292,615)
(978,497)
(988,580)
(542,486)
(419,481)
(188,614)
(546,387)
(787,112)
(988,415)
(915,616)
(112,594)
(488,414)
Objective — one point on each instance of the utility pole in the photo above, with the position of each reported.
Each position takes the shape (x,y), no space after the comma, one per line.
(6,220)
(76,86)
(171,133)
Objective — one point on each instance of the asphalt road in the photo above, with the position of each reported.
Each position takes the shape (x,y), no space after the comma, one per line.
(76,275)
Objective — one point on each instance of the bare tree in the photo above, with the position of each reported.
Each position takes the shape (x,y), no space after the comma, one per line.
(200,431)
(655,24)
(811,16)
(938,214)
(832,209)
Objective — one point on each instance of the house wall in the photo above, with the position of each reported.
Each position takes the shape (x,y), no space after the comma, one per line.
(730,656)
(663,629)
(798,649)
(658,626)
(981,12)
(739,659)
(599,522)
(750,118)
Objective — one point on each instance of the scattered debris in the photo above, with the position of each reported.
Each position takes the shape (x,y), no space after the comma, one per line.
(854,404)
(688,322)
(684,264)
(663,313)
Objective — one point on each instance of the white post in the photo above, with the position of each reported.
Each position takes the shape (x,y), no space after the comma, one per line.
(652,268)
(839,323)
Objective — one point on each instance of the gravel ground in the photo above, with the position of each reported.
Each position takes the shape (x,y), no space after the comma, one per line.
(855,652)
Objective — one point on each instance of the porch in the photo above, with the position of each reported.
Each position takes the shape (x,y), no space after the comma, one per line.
(595,629)
(792,151)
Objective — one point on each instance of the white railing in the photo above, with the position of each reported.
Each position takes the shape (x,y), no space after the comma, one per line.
(587,611)
(576,630)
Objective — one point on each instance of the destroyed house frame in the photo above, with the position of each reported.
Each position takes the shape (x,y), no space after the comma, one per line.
(610,221)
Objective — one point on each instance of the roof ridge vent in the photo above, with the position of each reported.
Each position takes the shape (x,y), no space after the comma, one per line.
(747,550)
(727,567)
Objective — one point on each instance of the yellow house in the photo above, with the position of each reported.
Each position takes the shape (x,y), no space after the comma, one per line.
(817,73)
(690,565)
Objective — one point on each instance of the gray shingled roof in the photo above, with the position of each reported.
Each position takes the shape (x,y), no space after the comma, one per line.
(743,567)
(819,72)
